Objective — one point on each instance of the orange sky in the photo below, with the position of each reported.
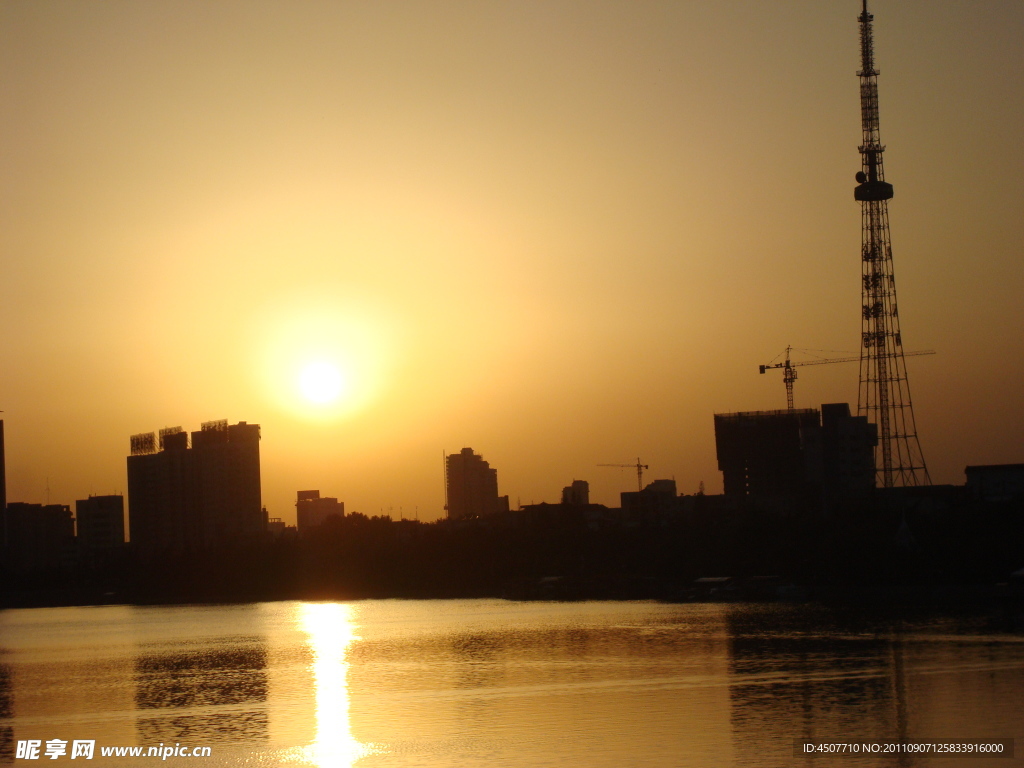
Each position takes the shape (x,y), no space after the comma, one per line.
(561,233)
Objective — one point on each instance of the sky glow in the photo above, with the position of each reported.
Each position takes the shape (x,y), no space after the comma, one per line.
(562,234)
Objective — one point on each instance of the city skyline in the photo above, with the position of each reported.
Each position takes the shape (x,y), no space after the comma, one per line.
(564,235)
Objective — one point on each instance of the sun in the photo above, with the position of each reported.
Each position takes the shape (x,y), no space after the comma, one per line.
(322,363)
(321,382)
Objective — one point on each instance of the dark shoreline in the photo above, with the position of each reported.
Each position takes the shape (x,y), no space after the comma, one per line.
(964,598)
(860,553)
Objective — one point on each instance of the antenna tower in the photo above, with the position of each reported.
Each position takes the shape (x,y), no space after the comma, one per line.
(884,394)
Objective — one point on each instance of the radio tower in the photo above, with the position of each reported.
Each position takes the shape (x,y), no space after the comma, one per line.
(884,394)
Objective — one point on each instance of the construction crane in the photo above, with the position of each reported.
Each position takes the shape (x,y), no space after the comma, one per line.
(639,471)
(789,375)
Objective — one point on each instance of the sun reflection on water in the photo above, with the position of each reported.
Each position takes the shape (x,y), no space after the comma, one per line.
(331,630)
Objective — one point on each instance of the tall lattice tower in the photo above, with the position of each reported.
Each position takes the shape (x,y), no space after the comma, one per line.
(884,394)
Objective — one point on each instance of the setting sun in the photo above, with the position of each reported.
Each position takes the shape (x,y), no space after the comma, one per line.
(321,382)
(322,362)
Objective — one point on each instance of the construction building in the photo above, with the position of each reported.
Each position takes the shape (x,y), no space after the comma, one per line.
(793,454)
(311,509)
(184,496)
(471,486)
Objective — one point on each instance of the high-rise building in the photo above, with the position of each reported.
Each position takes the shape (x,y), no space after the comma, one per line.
(183,497)
(472,486)
(795,453)
(99,523)
(312,509)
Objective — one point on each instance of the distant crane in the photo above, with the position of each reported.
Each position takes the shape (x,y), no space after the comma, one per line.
(639,471)
(789,375)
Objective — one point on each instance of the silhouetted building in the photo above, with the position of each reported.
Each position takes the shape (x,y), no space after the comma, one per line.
(592,516)
(791,454)
(577,494)
(3,490)
(472,486)
(311,509)
(996,482)
(769,453)
(99,523)
(847,451)
(3,475)
(38,537)
(657,499)
(206,495)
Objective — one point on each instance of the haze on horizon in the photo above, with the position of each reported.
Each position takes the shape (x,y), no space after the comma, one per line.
(561,233)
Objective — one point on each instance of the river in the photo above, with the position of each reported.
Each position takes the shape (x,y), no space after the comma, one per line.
(433,684)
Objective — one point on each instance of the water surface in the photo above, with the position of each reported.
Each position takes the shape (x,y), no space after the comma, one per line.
(496,683)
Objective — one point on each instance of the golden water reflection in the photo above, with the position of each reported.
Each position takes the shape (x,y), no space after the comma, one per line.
(474,684)
(331,630)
